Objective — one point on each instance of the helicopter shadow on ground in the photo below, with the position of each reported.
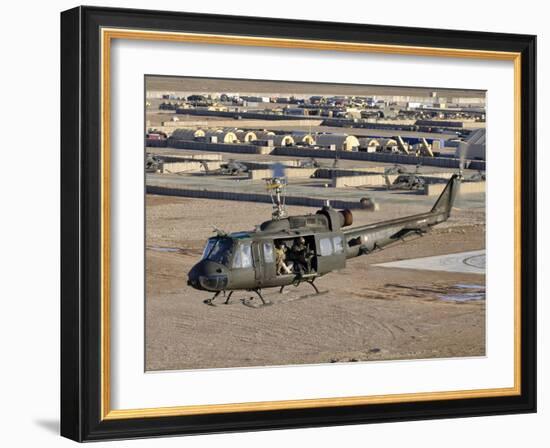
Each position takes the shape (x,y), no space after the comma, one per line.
(250,300)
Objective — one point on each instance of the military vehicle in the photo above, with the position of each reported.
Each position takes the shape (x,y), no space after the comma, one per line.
(291,250)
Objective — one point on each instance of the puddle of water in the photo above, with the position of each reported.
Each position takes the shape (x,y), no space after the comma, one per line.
(458,296)
(462,297)
(468,286)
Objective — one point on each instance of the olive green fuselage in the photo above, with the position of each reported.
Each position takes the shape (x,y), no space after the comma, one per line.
(248,260)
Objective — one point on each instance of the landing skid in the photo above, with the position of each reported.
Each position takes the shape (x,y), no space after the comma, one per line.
(247,302)
(308,281)
(211,301)
(252,302)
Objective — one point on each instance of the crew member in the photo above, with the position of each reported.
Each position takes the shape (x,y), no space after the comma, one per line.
(302,254)
(280,257)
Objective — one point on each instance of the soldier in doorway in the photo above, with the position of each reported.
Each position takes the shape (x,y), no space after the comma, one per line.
(302,254)
(280,257)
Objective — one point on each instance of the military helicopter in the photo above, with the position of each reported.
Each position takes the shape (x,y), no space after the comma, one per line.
(152,163)
(291,250)
(405,180)
(476,177)
(314,163)
(231,168)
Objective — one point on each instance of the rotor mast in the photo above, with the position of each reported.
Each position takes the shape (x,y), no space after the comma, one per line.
(277,189)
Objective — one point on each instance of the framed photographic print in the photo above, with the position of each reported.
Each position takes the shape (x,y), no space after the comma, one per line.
(277,224)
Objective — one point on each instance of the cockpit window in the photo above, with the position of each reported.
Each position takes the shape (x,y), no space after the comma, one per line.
(243,256)
(209,245)
(218,250)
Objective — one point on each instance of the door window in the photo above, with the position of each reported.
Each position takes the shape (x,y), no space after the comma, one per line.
(338,245)
(268,253)
(326,247)
(243,256)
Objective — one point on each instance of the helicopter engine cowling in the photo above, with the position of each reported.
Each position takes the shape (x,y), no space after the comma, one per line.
(337,218)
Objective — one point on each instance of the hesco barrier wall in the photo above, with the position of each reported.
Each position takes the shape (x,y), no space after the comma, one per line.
(249,115)
(250,197)
(156,143)
(446,162)
(289,172)
(170,126)
(191,157)
(329,173)
(376,180)
(465,188)
(372,180)
(180,167)
(222,147)
(269,164)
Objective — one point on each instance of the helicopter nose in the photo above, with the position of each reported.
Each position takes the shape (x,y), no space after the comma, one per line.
(208,275)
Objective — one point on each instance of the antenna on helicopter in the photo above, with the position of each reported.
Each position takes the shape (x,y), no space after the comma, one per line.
(276,186)
(219,233)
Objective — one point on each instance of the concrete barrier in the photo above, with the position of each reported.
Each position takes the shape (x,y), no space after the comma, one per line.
(253,123)
(291,173)
(188,167)
(315,121)
(221,147)
(156,143)
(465,188)
(191,157)
(447,162)
(369,180)
(254,165)
(179,167)
(329,173)
(377,180)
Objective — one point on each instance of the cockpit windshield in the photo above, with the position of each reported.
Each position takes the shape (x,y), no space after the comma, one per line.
(218,250)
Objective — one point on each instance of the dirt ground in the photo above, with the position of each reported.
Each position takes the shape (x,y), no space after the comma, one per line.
(368,313)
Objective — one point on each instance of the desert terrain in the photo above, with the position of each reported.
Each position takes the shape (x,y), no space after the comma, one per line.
(368,312)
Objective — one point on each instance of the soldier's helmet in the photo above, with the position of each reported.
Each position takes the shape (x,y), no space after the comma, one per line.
(301,240)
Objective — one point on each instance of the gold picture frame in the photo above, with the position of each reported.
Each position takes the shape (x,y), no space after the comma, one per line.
(105,34)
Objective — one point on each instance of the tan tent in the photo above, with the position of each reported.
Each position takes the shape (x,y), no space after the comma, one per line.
(187,134)
(369,142)
(342,142)
(283,140)
(246,136)
(264,135)
(222,136)
(308,139)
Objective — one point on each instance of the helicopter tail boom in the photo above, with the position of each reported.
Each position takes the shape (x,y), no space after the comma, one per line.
(365,239)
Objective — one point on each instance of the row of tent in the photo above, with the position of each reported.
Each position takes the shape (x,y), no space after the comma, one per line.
(243,136)
(341,142)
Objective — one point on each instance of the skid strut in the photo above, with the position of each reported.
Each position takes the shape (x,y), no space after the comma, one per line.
(314,286)
(257,291)
(211,301)
(228,297)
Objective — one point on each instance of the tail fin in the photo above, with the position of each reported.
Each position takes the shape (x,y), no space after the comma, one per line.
(447,198)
